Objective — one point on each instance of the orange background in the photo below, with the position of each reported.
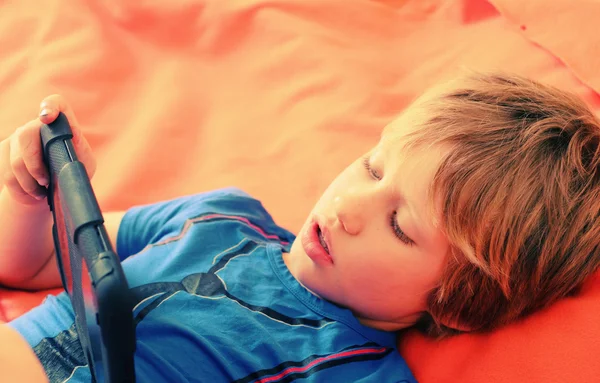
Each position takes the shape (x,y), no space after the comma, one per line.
(276,97)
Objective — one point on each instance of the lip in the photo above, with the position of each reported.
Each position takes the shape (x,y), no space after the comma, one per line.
(312,245)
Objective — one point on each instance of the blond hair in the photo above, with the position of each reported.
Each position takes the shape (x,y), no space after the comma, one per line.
(520,199)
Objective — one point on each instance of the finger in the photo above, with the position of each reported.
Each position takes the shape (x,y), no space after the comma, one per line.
(5,170)
(84,151)
(54,104)
(26,181)
(30,147)
(8,177)
(50,108)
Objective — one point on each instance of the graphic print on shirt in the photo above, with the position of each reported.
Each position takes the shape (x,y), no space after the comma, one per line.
(62,355)
(210,285)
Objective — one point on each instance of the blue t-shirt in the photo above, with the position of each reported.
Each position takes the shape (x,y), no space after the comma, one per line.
(216,303)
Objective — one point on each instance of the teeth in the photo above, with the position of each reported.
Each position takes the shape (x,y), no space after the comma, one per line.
(322,240)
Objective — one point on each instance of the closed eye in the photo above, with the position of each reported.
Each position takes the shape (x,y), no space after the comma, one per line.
(393,222)
(372,172)
(398,231)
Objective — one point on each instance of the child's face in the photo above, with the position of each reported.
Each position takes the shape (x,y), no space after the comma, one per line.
(367,217)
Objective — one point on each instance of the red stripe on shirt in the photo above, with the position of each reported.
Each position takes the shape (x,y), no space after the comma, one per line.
(345,354)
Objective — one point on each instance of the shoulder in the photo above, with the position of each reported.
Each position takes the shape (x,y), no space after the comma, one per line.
(228,205)
(233,212)
(224,214)
(224,201)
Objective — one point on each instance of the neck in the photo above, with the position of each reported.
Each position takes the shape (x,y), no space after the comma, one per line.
(389,326)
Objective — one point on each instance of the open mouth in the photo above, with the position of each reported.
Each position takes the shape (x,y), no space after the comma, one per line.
(322,240)
(316,246)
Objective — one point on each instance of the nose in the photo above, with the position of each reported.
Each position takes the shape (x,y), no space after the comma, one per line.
(350,210)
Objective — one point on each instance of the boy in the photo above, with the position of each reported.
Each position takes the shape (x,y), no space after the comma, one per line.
(477,207)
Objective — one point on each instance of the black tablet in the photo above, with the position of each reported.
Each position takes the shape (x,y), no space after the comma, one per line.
(91,271)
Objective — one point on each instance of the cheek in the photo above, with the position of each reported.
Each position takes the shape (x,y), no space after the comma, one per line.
(383,273)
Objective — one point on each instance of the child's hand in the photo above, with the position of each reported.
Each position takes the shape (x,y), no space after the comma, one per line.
(22,166)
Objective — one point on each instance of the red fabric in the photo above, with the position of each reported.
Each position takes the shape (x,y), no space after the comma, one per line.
(276,97)
(13,302)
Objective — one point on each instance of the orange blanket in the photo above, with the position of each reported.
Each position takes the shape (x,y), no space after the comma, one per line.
(276,97)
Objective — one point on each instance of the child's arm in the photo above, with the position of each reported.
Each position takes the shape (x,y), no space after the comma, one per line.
(18,363)
(27,259)
(26,245)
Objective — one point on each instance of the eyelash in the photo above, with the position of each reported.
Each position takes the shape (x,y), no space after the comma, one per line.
(393,222)
(398,231)
(372,172)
